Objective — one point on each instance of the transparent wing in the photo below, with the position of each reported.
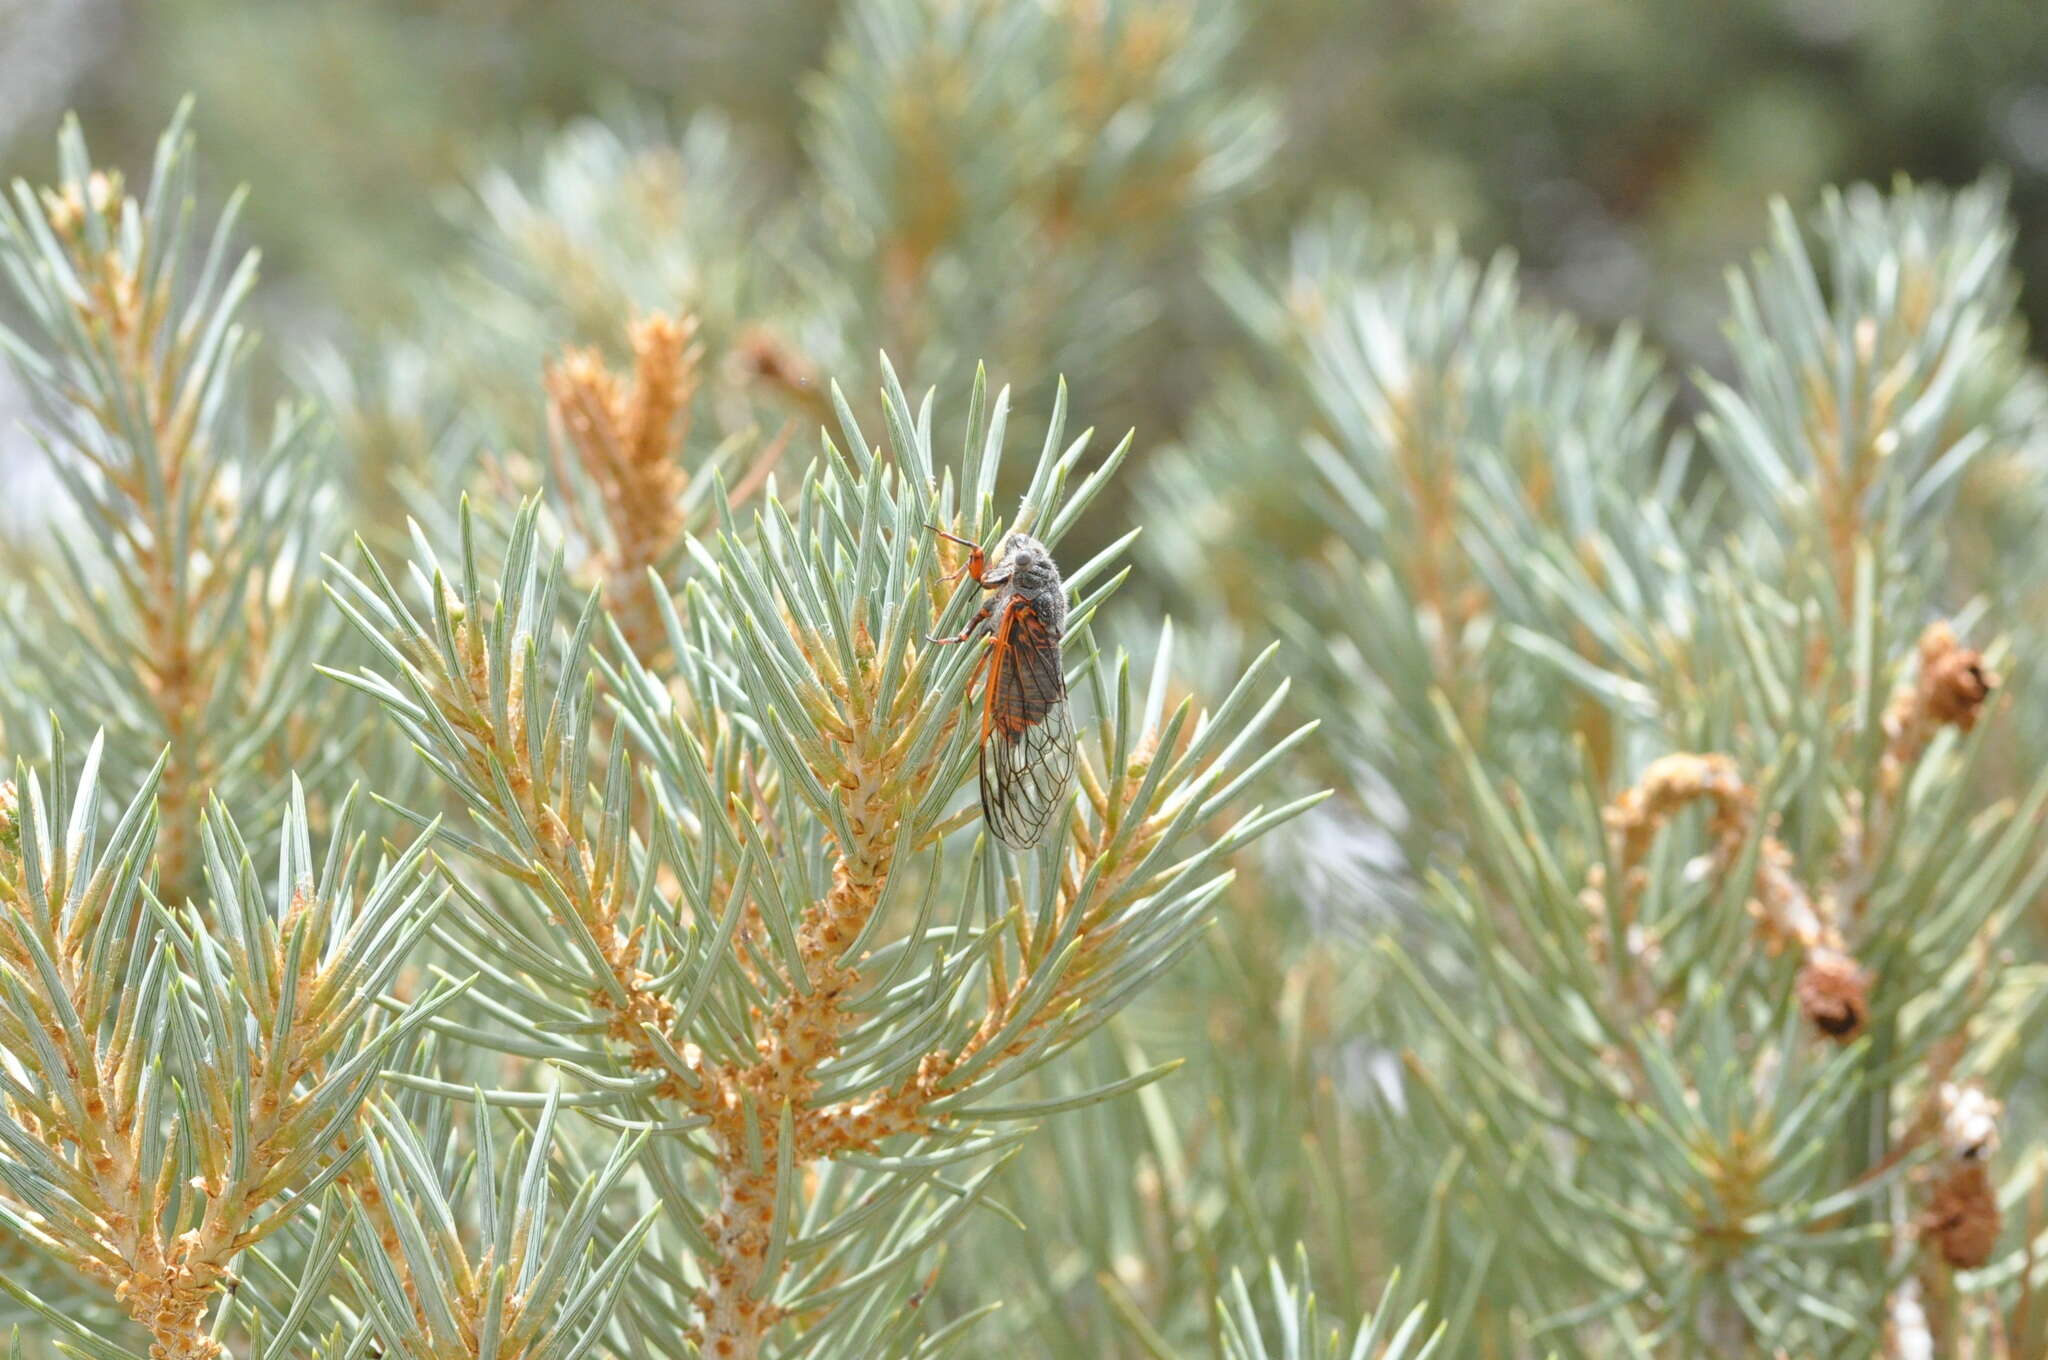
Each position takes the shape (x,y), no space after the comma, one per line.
(1027,740)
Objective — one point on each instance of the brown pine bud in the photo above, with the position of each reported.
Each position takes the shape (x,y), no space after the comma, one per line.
(1954,682)
(1834,993)
(1963,1218)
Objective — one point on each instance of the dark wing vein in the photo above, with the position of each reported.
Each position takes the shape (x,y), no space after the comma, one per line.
(1027,744)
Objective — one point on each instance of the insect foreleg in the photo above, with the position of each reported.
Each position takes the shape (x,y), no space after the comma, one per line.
(973,624)
(976,564)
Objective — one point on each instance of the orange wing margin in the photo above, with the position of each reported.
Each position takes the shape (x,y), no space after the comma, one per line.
(1027,742)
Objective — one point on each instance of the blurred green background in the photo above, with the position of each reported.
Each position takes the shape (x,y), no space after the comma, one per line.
(1625,149)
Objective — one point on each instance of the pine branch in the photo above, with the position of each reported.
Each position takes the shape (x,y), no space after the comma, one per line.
(741,957)
(1296,1332)
(182,1090)
(635,499)
(1466,477)
(168,604)
(533,1290)
(1876,365)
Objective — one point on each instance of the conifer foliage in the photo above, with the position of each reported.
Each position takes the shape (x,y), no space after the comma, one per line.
(708,886)
(555,919)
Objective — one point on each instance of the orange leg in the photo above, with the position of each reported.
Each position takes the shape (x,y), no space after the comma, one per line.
(976,564)
(980,617)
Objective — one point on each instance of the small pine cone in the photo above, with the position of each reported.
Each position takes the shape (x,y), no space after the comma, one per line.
(1963,1217)
(1953,680)
(1834,993)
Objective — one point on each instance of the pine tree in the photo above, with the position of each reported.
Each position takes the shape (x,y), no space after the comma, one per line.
(1715,880)
(707,888)
(521,893)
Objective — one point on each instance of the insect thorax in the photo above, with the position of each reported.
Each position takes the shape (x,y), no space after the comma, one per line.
(1034,577)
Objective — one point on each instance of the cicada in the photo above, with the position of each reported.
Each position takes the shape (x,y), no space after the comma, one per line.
(1027,739)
